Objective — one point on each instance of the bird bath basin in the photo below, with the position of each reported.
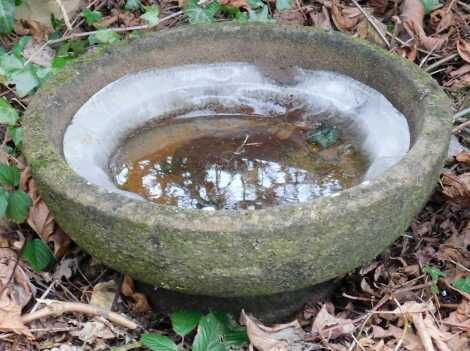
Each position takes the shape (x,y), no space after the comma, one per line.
(161,158)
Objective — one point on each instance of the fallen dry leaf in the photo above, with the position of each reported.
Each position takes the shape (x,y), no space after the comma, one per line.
(328,326)
(35,28)
(103,294)
(95,329)
(442,19)
(281,337)
(456,188)
(366,31)
(235,3)
(141,304)
(379,6)
(342,21)
(15,292)
(40,218)
(36,52)
(410,340)
(412,18)
(321,19)
(463,48)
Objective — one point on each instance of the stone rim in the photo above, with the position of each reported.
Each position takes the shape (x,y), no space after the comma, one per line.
(424,158)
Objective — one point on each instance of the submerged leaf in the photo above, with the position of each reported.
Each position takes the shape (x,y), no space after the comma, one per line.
(324,135)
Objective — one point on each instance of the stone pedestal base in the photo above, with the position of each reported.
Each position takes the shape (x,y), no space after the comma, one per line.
(269,309)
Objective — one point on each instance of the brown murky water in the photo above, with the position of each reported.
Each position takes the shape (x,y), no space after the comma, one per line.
(233,162)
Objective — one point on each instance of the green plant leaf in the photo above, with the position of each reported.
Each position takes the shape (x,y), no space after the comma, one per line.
(91,16)
(434,273)
(9,175)
(183,322)
(157,342)
(18,206)
(56,23)
(429,5)
(104,36)
(20,45)
(132,5)
(463,284)
(37,254)
(8,115)
(10,63)
(324,135)
(25,80)
(259,15)
(198,14)
(234,335)
(151,14)
(3,202)
(255,4)
(282,5)
(7,15)
(209,335)
(16,134)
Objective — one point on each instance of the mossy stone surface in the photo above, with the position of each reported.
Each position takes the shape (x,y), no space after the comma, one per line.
(240,253)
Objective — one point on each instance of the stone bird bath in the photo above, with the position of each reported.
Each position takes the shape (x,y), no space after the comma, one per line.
(269,260)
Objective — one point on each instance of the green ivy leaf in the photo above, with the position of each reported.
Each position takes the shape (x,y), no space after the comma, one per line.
(104,36)
(91,16)
(8,115)
(37,254)
(3,202)
(463,284)
(184,322)
(18,206)
(132,5)
(157,342)
(151,14)
(198,14)
(16,134)
(430,5)
(282,5)
(7,15)
(25,80)
(324,135)
(209,335)
(9,175)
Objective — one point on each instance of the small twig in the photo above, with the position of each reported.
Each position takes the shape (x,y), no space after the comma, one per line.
(57,308)
(423,61)
(64,14)
(461,126)
(441,61)
(464,5)
(373,22)
(43,296)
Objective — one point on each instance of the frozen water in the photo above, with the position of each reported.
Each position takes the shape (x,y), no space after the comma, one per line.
(129,103)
